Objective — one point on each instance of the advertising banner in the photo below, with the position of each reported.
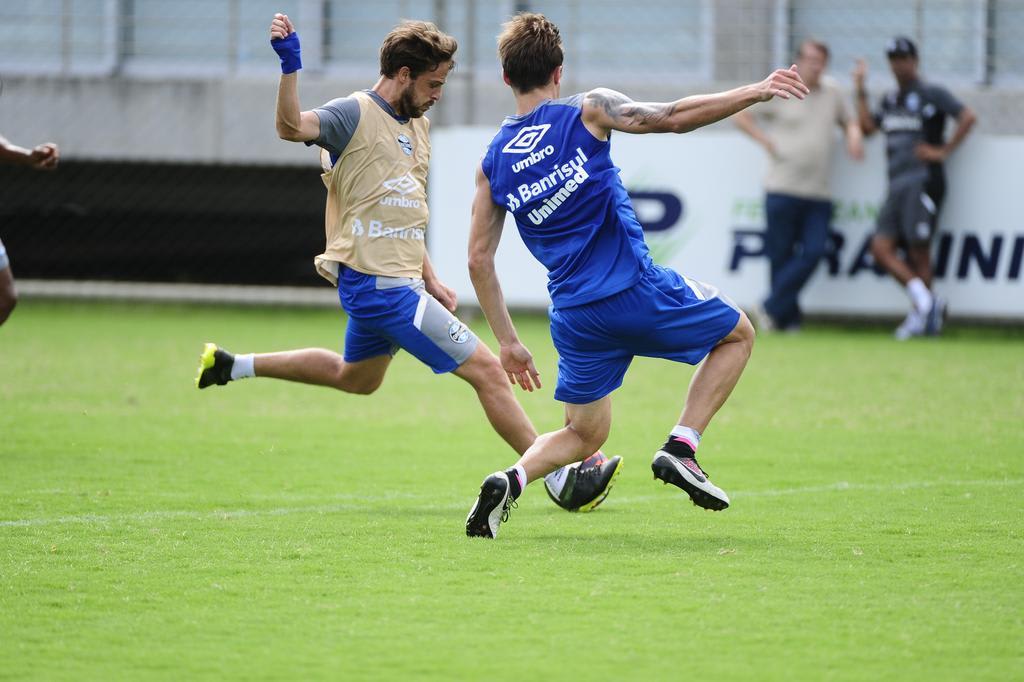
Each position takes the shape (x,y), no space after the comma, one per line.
(700,200)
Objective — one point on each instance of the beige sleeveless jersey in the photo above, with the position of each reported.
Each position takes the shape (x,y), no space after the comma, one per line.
(376,219)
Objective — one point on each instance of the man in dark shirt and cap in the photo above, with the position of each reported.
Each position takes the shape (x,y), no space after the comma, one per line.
(913,118)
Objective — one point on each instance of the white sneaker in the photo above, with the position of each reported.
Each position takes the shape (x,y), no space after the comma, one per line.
(913,325)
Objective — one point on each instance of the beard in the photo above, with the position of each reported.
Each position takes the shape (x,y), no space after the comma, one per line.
(407,106)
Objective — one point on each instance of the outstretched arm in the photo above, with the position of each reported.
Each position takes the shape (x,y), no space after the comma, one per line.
(42,157)
(484,235)
(292,123)
(605,110)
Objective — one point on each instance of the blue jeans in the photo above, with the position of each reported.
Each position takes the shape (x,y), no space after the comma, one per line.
(795,241)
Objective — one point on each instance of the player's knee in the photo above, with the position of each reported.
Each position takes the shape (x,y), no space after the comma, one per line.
(484,370)
(351,382)
(363,387)
(744,332)
(591,434)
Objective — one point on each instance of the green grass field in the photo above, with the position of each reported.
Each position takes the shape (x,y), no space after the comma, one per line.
(265,530)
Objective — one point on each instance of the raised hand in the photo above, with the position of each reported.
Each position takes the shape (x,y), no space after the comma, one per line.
(281,27)
(783,83)
(859,73)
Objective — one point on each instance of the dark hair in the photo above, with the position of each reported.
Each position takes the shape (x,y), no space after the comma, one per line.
(816,44)
(420,45)
(529,48)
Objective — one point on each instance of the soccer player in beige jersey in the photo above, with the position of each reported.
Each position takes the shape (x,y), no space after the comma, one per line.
(375,152)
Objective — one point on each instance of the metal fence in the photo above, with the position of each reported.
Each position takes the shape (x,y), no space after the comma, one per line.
(125,84)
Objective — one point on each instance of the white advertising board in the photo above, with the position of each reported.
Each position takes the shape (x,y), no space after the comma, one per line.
(699,197)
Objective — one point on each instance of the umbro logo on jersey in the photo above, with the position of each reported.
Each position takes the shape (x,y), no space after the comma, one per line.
(526,139)
(403,185)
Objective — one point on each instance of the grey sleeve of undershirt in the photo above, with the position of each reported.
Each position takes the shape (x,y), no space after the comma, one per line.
(338,121)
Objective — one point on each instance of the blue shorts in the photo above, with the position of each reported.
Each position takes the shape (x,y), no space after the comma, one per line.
(388,313)
(664,315)
(4,261)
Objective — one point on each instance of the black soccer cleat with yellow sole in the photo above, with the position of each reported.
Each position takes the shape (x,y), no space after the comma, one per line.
(586,485)
(686,474)
(214,366)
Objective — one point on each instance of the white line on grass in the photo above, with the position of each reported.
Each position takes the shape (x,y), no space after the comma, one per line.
(357,503)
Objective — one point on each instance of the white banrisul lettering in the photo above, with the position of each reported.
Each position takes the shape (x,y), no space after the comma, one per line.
(560,173)
(378,230)
(571,174)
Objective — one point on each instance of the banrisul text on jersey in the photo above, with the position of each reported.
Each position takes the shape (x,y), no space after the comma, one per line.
(572,211)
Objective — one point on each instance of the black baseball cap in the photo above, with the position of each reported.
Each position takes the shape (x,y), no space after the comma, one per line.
(901,46)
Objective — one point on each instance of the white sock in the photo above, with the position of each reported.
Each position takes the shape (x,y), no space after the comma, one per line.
(691,436)
(521,475)
(919,295)
(243,367)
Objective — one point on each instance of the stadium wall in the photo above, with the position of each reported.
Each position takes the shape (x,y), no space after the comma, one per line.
(230,119)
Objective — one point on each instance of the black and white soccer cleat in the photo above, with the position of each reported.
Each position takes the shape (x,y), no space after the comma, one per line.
(491,507)
(685,473)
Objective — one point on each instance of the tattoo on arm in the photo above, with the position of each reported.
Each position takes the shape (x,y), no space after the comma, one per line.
(625,111)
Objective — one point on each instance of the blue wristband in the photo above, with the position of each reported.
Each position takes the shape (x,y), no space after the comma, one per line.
(288,50)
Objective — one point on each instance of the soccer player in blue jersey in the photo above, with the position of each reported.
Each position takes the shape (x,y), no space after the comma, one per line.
(550,166)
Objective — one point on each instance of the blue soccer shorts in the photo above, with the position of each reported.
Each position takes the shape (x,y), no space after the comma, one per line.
(388,313)
(664,315)
(4,261)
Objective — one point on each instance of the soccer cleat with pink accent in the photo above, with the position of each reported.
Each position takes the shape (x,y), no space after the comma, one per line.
(686,474)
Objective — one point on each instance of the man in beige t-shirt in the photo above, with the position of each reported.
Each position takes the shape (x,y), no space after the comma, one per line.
(798,202)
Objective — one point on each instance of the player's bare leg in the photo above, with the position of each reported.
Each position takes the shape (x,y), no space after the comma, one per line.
(8,294)
(316,366)
(322,367)
(484,373)
(920,257)
(712,383)
(883,250)
(716,377)
(916,282)
(585,432)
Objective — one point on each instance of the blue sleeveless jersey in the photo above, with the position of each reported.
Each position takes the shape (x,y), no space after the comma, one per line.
(573,212)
